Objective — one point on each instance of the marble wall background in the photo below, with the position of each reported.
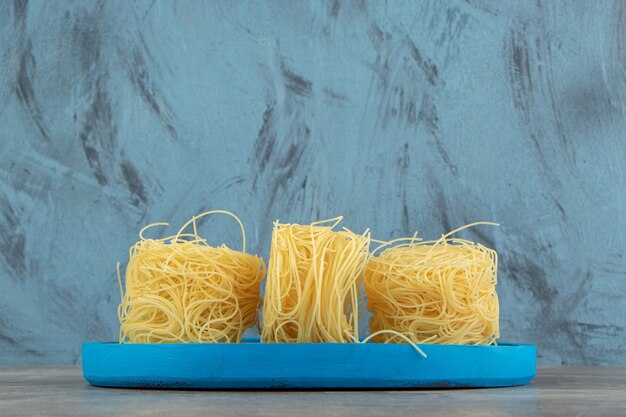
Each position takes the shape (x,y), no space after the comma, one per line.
(400,115)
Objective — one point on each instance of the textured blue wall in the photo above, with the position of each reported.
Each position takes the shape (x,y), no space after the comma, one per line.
(401,116)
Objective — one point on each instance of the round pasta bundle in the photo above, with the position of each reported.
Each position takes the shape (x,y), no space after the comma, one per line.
(179,289)
(440,291)
(313,282)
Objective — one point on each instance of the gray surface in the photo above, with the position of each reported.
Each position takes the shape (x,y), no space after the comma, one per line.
(400,115)
(556,391)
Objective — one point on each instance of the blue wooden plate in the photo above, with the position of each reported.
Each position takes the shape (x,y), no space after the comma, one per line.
(253,365)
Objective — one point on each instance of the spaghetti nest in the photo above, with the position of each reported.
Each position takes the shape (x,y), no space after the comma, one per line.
(179,289)
(442,291)
(313,282)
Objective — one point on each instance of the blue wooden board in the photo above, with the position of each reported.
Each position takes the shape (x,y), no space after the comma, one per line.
(253,365)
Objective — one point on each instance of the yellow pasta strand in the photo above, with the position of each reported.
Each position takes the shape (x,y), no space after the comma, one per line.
(441,291)
(179,289)
(313,281)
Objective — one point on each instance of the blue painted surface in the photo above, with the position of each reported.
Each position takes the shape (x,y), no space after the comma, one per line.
(322,365)
(400,115)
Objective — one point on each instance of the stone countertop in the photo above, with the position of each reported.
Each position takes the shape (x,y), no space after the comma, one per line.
(556,391)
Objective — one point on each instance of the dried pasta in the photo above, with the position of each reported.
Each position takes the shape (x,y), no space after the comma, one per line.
(441,291)
(179,289)
(314,278)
